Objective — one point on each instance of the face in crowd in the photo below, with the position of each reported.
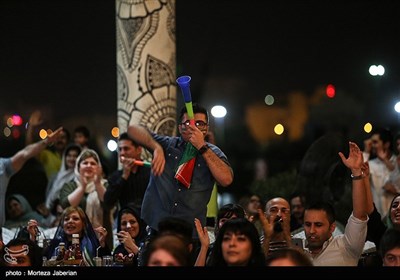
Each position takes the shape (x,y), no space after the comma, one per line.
(317,228)
(201,123)
(73,222)
(297,207)
(278,211)
(395,212)
(130,224)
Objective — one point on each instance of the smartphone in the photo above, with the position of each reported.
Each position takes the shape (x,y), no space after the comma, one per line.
(298,242)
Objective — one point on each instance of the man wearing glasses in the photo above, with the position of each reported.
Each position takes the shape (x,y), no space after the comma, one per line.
(166,196)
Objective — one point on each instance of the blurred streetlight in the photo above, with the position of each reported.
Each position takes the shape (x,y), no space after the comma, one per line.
(219,112)
(376,70)
(397,109)
(112,145)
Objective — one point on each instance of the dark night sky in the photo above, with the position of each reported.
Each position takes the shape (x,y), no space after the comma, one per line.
(61,54)
(58,53)
(280,46)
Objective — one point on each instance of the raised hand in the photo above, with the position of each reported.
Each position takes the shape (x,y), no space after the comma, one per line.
(202,233)
(53,137)
(355,160)
(36,118)
(33,229)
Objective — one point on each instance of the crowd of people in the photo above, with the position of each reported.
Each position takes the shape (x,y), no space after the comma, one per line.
(157,216)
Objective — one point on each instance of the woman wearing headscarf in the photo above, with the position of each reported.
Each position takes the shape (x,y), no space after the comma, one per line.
(131,234)
(64,175)
(88,187)
(92,241)
(19,212)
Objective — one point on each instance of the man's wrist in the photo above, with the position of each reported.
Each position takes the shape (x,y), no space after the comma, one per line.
(357,177)
(203,149)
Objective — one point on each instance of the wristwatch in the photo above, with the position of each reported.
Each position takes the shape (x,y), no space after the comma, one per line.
(203,149)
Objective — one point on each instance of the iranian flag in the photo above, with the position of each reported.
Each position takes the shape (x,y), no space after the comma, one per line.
(184,172)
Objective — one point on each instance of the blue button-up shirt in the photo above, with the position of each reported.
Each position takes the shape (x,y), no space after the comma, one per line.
(166,197)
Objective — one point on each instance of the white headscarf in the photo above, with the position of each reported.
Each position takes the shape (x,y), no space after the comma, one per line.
(63,176)
(93,208)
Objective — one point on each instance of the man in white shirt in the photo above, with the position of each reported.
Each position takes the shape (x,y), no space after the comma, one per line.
(319,222)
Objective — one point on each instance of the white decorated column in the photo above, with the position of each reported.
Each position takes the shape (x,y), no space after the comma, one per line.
(146,64)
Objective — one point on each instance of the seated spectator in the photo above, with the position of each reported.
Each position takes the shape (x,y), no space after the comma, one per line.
(19,212)
(297,207)
(227,212)
(393,217)
(276,225)
(167,250)
(56,213)
(390,248)
(171,226)
(237,244)
(251,204)
(131,233)
(288,257)
(74,220)
(319,222)
(22,252)
(63,176)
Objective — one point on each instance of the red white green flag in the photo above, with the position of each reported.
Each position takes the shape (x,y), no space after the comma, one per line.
(184,172)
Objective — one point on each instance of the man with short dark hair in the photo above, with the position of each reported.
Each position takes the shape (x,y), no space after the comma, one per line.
(297,206)
(127,185)
(319,222)
(166,196)
(390,248)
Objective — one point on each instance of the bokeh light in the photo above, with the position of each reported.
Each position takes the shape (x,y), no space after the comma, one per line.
(269,99)
(7,131)
(10,122)
(218,111)
(376,70)
(279,129)
(43,134)
(17,120)
(397,107)
(112,145)
(16,133)
(368,127)
(115,132)
(330,91)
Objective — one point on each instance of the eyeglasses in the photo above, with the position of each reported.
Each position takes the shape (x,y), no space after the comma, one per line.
(199,124)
